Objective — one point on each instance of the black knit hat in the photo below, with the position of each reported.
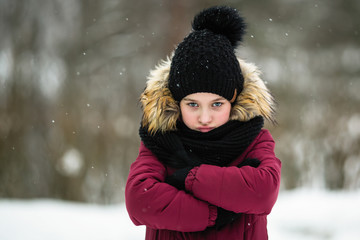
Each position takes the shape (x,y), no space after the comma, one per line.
(205,60)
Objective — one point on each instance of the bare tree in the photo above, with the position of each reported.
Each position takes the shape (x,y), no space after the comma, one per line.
(71,73)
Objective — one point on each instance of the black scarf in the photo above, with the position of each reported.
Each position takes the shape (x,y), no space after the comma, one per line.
(186,147)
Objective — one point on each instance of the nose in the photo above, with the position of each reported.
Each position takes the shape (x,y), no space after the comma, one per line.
(205,117)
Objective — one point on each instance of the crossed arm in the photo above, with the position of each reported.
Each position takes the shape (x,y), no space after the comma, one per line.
(153,202)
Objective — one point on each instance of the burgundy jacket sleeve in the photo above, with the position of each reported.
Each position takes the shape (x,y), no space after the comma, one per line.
(158,205)
(246,189)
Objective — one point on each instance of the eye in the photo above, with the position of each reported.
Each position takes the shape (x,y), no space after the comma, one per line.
(217,104)
(193,104)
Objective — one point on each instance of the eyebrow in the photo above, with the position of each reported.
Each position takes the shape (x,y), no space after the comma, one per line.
(189,99)
(219,99)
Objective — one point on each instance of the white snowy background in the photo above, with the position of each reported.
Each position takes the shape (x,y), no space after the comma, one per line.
(71,73)
(299,214)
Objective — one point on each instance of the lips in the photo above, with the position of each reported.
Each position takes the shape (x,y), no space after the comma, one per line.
(205,129)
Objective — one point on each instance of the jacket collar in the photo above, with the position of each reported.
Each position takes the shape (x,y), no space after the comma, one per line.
(161,111)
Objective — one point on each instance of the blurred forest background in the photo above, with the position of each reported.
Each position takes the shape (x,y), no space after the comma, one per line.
(71,72)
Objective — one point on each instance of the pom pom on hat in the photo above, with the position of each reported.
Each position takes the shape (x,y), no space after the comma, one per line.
(205,60)
(221,20)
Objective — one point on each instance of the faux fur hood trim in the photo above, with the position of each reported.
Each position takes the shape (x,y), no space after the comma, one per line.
(161,111)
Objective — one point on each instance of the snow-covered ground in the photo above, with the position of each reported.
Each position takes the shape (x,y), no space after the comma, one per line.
(300,214)
(315,215)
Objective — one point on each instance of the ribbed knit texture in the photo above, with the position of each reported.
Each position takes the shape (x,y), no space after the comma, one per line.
(223,144)
(205,60)
(187,147)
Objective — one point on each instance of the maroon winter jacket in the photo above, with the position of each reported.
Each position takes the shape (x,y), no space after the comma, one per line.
(169,213)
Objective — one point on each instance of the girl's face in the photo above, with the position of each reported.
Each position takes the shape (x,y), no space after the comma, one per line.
(204,111)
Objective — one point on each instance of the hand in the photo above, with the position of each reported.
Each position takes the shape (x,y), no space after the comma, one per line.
(225,217)
(177,179)
(253,162)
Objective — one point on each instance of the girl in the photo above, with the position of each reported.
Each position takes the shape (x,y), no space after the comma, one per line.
(206,169)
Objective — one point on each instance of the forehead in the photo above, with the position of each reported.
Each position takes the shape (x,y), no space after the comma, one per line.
(203,96)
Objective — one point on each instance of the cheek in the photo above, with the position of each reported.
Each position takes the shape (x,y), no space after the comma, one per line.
(223,116)
(223,119)
(187,118)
